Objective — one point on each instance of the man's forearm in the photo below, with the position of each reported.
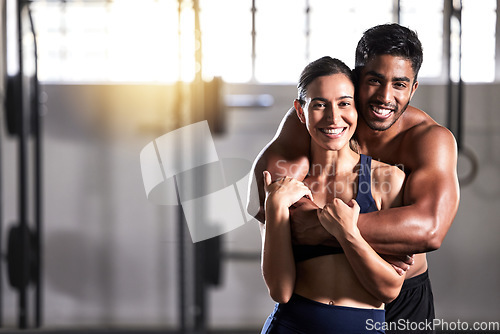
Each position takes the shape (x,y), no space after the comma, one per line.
(403,230)
(396,231)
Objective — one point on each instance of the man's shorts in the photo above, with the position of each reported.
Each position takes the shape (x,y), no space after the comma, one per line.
(413,308)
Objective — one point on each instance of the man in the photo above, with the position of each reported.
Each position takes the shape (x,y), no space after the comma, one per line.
(388,58)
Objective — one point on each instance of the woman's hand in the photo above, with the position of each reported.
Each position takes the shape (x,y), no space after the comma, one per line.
(376,275)
(305,226)
(340,219)
(284,192)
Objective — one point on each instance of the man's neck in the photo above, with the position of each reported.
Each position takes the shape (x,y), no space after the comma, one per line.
(371,140)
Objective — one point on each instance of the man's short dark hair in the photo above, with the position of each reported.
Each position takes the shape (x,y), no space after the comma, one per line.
(389,39)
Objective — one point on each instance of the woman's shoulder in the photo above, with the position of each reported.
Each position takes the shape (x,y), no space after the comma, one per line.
(383,170)
(387,182)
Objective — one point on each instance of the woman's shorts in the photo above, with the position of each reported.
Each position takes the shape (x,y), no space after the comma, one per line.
(304,316)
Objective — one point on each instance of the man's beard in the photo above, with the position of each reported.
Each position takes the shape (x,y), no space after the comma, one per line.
(383,127)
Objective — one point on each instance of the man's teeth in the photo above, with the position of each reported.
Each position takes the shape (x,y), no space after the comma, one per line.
(381,111)
(335,131)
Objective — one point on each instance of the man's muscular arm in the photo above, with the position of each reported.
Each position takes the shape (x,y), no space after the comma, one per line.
(286,154)
(431,192)
(431,197)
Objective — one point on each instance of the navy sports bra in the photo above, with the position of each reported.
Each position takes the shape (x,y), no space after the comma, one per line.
(366,203)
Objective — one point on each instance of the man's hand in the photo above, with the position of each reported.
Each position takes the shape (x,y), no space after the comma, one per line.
(400,263)
(305,225)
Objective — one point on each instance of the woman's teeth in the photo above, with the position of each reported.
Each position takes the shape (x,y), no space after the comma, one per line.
(331,131)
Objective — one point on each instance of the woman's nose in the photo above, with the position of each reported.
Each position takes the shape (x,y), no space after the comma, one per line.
(332,114)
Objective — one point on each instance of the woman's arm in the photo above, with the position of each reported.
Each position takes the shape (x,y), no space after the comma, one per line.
(278,264)
(375,274)
(340,219)
(287,154)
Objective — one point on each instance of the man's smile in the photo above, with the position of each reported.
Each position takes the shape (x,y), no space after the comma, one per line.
(380,111)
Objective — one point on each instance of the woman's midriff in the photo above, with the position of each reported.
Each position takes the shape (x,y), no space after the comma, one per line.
(330,279)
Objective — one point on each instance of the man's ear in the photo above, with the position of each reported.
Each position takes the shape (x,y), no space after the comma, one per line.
(413,89)
(299,110)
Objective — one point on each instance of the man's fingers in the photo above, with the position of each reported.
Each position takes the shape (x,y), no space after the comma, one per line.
(399,262)
(320,213)
(409,260)
(398,270)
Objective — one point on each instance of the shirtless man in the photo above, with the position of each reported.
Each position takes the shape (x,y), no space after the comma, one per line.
(388,58)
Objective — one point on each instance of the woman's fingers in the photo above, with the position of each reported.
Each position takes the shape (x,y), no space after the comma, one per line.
(286,188)
(267,179)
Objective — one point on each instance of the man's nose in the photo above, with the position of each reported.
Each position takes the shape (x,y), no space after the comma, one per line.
(385,94)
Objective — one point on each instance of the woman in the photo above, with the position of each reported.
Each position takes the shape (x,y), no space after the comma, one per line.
(329,289)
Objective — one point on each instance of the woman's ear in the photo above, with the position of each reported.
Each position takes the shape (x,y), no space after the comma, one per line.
(299,110)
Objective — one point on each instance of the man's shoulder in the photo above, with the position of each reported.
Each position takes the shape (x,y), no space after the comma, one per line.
(419,126)
(426,141)
(415,119)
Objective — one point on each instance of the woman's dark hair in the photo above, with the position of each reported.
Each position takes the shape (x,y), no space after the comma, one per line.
(321,67)
(389,39)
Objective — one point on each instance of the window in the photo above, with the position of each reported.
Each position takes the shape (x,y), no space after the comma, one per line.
(121,41)
(107,41)
(336,26)
(430,33)
(226,27)
(478,40)
(280,40)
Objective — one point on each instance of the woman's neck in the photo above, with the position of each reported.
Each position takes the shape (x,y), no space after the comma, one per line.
(327,163)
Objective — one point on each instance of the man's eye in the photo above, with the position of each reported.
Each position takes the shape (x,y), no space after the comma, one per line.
(319,105)
(400,85)
(374,81)
(344,104)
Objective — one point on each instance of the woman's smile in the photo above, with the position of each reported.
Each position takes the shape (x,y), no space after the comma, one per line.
(333,132)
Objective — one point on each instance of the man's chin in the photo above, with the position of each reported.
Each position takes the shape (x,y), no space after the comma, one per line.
(382,123)
(380,126)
